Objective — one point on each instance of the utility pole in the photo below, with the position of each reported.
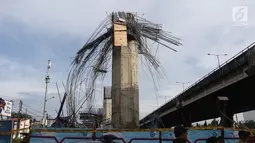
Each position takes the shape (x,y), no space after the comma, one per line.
(217,56)
(183,83)
(19,116)
(47,80)
(26,111)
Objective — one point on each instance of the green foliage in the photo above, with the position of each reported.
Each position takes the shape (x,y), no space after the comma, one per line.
(17,140)
(205,124)
(23,115)
(214,123)
(250,124)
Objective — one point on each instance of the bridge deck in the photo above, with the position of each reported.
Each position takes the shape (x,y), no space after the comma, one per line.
(234,67)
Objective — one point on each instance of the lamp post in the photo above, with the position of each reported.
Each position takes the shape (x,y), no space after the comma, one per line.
(47,80)
(165,98)
(217,56)
(183,83)
(50,98)
(153,107)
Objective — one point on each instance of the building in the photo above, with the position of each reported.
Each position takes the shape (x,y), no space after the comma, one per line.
(48,122)
(91,117)
(24,126)
(250,115)
(5,109)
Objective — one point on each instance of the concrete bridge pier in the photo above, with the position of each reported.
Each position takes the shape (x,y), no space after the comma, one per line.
(225,112)
(184,116)
(186,120)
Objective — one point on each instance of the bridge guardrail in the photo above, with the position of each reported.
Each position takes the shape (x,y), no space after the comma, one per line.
(208,74)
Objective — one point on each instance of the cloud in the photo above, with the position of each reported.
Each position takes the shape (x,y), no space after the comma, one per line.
(33,32)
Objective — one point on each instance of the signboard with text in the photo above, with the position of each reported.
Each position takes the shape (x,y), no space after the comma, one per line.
(7,110)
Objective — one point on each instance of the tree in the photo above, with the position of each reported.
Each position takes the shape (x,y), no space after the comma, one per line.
(250,124)
(205,124)
(214,122)
(23,115)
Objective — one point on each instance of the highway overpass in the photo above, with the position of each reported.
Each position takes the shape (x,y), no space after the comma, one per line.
(234,80)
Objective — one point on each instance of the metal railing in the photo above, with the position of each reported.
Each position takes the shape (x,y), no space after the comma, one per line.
(74,138)
(99,138)
(207,75)
(152,139)
(204,139)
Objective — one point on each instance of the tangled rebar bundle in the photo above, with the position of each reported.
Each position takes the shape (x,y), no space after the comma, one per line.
(92,60)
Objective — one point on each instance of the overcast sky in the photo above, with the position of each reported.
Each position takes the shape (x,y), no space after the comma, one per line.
(31,32)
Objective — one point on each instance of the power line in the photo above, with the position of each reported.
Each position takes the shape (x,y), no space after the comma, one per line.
(32,108)
(31,112)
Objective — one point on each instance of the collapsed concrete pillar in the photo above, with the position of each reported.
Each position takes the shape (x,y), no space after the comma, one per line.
(125,94)
(107,104)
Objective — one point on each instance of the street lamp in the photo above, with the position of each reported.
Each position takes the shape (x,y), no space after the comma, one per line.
(47,80)
(218,57)
(153,107)
(183,83)
(165,97)
(50,98)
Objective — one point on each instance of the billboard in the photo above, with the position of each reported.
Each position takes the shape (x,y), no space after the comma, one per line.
(7,110)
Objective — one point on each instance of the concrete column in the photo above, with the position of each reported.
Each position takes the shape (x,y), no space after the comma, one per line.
(226,116)
(107,109)
(125,94)
(185,118)
(107,104)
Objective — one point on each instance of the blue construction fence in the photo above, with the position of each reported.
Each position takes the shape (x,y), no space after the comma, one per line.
(6,126)
(138,136)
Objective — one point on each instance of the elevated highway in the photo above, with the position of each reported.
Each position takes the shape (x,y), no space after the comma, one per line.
(234,80)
